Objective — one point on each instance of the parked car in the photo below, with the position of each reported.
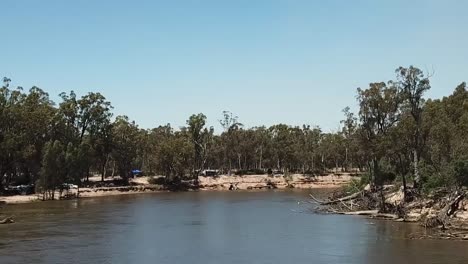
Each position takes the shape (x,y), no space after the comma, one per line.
(69,186)
(137,173)
(209,173)
(20,189)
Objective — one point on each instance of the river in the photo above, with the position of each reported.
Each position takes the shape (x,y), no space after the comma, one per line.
(209,227)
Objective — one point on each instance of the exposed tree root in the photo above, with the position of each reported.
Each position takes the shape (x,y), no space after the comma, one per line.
(438,210)
(441,219)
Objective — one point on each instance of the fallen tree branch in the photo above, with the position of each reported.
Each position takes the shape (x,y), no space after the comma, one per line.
(8,220)
(373,214)
(450,209)
(363,213)
(344,199)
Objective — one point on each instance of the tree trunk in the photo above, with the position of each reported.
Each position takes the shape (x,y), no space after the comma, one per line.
(104,169)
(403,177)
(2,173)
(417,177)
(113,168)
(261,157)
(376,170)
(346,159)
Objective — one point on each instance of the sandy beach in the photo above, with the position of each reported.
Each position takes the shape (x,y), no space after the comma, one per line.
(251,182)
(219,183)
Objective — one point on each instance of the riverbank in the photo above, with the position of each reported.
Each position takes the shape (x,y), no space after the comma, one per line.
(219,183)
(258,182)
(87,193)
(443,211)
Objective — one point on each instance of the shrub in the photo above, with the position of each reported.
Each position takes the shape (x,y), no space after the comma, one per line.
(250,172)
(460,170)
(157,180)
(354,186)
(435,178)
(365,179)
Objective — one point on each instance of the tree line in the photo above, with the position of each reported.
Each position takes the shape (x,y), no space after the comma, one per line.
(397,134)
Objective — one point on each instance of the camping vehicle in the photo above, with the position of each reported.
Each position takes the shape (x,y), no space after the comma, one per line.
(20,190)
(209,173)
(137,173)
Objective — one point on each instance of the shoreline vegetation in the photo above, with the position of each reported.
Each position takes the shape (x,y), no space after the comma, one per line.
(411,152)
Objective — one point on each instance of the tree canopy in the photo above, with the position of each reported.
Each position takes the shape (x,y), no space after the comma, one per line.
(397,134)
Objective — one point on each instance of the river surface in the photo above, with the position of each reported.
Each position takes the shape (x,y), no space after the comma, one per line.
(210,227)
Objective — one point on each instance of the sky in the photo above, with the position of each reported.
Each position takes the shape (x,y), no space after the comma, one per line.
(267,61)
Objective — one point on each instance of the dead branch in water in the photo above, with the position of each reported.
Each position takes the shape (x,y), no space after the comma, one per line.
(341,200)
(8,220)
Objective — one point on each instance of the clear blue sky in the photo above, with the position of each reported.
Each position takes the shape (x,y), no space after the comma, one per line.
(267,61)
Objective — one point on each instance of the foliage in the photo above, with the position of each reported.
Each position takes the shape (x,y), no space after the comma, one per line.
(397,134)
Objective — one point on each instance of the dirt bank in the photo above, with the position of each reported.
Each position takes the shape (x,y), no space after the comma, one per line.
(221,183)
(86,193)
(443,211)
(252,182)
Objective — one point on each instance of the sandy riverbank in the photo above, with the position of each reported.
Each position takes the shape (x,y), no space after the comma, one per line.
(252,182)
(86,193)
(220,183)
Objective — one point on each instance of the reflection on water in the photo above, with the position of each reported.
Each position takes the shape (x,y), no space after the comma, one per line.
(209,227)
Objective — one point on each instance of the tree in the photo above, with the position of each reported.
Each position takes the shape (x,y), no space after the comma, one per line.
(413,84)
(125,137)
(229,121)
(378,113)
(10,143)
(176,155)
(200,137)
(348,131)
(396,133)
(53,171)
(36,119)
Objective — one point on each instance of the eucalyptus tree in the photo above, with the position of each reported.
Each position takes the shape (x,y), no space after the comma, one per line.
(311,148)
(444,130)
(262,146)
(176,155)
(378,113)
(230,140)
(53,171)
(333,150)
(283,144)
(36,119)
(201,138)
(413,84)
(125,135)
(348,132)
(152,148)
(86,124)
(10,143)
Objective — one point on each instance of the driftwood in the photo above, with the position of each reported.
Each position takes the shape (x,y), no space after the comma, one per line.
(436,211)
(363,213)
(341,200)
(449,210)
(373,214)
(8,220)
